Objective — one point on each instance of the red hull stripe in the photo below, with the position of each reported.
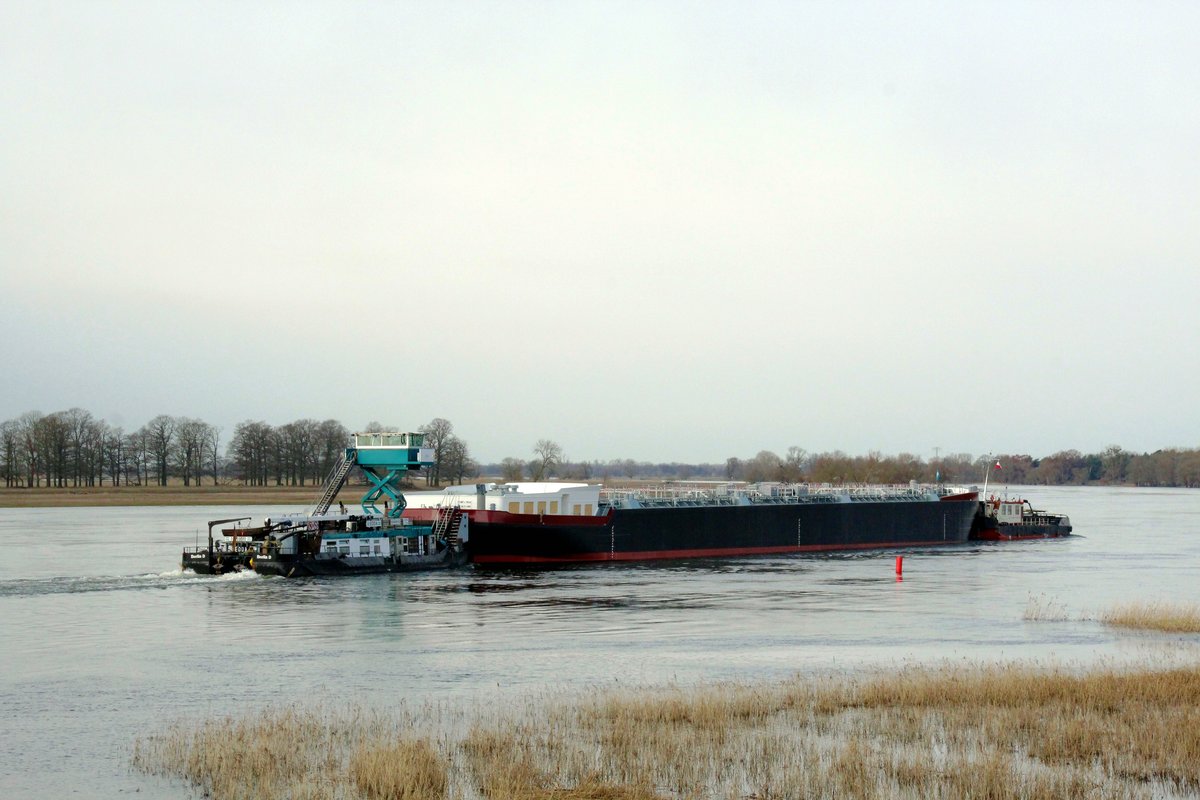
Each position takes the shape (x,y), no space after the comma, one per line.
(708,552)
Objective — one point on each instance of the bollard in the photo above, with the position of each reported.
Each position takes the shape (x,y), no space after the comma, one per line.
(899,565)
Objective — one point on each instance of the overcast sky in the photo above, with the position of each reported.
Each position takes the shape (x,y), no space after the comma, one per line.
(665,231)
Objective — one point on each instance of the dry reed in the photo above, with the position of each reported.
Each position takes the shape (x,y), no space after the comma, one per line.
(1006,731)
(404,770)
(1160,616)
(1041,608)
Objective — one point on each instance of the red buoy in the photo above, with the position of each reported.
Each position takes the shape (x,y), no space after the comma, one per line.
(899,565)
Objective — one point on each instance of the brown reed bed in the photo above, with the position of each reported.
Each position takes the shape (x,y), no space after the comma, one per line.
(1156,616)
(942,731)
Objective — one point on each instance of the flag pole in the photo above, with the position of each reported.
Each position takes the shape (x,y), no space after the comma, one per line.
(987,475)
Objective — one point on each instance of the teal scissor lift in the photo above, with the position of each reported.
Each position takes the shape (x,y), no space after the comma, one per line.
(383,458)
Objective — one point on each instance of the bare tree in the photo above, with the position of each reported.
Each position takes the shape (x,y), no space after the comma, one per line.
(55,448)
(512,469)
(10,451)
(794,464)
(299,447)
(548,456)
(251,449)
(438,433)
(457,460)
(212,451)
(763,467)
(190,436)
(332,439)
(28,444)
(733,468)
(113,447)
(160,433)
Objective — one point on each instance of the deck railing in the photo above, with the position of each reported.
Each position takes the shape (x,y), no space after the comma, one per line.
(764,494)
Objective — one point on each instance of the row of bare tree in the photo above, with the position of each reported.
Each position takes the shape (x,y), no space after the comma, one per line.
(296,454)
(1115,465)
(73,448)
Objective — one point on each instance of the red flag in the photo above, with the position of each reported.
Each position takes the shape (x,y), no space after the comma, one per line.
(998,465)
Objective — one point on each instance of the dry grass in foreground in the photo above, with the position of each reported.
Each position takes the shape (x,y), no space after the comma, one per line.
(995,732)
(1169,617)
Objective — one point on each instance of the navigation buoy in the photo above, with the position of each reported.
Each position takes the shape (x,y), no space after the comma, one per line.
(899,565)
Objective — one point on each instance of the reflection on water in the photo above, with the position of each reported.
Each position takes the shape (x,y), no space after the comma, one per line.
(104,638)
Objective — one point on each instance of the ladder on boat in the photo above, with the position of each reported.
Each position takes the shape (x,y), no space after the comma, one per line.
(334,481)
(447,524)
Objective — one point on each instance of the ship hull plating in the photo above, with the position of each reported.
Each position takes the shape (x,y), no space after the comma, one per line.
(1012,533)
(292,566)
(640,534)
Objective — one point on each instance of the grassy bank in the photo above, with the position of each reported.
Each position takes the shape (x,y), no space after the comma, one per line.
(172,495)
(156,496)
(1008,731)
(1155,616)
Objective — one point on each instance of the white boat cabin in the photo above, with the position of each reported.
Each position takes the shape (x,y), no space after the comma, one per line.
(568,499)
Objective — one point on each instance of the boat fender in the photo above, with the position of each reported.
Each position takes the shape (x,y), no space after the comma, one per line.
(251,562)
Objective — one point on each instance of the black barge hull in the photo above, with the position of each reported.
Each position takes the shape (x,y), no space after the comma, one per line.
(220,563)
(673,532)
(291,566)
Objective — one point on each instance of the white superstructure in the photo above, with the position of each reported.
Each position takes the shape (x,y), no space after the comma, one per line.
(572,499)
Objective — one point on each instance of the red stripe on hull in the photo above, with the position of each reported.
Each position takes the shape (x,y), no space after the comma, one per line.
(660,555)
(988,536)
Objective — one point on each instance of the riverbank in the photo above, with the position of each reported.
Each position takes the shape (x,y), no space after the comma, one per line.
(1000,730)
(951,730)
(161,496)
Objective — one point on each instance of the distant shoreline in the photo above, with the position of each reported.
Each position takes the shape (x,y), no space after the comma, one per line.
(179,495)
(79,496)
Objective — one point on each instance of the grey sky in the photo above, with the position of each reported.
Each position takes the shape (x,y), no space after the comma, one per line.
(650,230)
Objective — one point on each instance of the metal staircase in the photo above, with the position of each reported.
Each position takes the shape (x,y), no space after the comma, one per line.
(447,524)
(334,481)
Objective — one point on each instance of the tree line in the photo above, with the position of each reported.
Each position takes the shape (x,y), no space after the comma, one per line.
(73,448)
(1178,467)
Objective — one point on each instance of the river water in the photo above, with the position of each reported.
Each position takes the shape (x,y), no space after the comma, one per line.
(103,639)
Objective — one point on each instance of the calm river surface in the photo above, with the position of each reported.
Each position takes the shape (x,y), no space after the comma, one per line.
(102,638)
